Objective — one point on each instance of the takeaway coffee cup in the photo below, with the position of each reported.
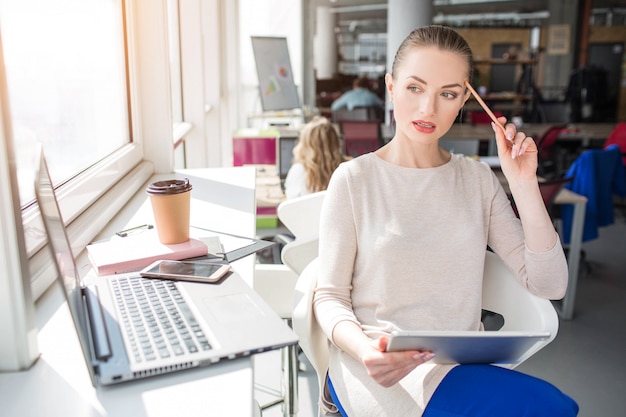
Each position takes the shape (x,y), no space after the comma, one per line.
(171,207)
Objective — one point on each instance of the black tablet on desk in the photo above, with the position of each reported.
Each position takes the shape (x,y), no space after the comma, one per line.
(466,347)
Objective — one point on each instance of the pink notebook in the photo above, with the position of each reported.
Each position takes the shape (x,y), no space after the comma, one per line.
(136,251)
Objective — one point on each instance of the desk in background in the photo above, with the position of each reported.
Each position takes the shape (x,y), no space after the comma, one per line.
(271,153)
(576,132)
(269,194)
(59,384)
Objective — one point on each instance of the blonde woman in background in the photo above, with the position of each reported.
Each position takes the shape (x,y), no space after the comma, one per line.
(316,156)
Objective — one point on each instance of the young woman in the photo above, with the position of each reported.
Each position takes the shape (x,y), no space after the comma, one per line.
(316,156)
(402,245)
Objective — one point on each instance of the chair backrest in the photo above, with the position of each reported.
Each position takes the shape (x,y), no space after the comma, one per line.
(502,294)
(275,282)
(302,217)
(298,254)
(358,114)
(311,338)
(522,311)
(618,137)
(546,141)
(360,137)
(550,188)
(482,118)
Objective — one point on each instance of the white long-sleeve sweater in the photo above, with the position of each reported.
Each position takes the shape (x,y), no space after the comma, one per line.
(404,248)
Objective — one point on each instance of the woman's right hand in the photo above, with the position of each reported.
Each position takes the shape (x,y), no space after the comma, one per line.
(388,368)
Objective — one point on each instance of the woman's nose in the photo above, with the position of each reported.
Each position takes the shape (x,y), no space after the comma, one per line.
(427,105)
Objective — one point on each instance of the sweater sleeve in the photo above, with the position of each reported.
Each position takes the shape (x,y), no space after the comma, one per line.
(544,274)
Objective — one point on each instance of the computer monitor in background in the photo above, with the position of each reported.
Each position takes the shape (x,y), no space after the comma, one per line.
(285,154)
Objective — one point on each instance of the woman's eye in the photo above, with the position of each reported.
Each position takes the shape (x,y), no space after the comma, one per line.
(414,89)
(449,95)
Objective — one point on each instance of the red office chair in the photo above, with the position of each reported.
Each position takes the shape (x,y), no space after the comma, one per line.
(545,147)
(550,188)
(482,118)
(618,137)
(360,137)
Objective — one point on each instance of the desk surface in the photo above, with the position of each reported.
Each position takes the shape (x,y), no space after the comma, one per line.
(59,384)
(579,131)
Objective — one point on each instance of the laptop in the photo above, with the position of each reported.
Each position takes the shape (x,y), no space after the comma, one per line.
(285,154)
(131,327)
(467,347)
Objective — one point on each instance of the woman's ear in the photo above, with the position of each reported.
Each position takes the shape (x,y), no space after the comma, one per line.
(389,84)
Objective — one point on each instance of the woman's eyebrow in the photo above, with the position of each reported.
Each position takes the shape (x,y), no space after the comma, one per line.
(454,85)
(418,79)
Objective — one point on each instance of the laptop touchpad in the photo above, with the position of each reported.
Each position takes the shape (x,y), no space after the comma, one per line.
(233,308)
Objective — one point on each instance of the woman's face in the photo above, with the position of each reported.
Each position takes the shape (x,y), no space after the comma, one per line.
(427,93)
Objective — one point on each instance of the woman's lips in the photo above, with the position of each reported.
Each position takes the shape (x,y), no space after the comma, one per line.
(423,126)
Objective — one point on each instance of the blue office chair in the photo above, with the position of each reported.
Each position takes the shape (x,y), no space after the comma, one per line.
(599,174)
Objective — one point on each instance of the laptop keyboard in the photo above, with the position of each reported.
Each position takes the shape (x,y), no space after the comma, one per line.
(157,320)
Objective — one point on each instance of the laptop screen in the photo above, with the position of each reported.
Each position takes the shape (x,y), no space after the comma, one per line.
(61,251)
(285,154)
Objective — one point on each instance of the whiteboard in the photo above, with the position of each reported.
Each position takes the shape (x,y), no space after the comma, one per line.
(273,66)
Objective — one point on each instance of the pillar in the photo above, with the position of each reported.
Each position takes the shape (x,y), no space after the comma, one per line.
(325,44)
(402,17)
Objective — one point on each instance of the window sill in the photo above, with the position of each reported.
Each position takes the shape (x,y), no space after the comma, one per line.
(88,224)
(179,131)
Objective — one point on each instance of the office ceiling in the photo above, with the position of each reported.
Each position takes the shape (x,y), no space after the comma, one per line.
(375,11)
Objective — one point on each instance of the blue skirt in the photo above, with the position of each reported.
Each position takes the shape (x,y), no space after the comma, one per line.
(487,391)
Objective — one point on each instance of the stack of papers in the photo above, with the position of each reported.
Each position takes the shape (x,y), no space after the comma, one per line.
(136,251)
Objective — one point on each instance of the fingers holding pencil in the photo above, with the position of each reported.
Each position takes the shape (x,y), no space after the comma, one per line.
(513,142)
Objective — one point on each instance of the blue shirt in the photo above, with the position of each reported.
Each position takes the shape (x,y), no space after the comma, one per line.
(357,97)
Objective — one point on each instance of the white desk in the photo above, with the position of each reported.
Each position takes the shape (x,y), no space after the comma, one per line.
(566,196)
(58,384)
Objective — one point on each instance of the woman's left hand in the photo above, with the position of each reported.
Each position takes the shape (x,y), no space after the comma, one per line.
(516,151)
(388,368)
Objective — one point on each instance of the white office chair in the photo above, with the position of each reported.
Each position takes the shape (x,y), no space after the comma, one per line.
(302,215)
(276,283)
(502,294)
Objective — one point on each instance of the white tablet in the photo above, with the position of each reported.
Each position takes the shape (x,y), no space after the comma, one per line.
(466,347)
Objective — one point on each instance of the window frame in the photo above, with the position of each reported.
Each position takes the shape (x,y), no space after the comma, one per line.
(124,172)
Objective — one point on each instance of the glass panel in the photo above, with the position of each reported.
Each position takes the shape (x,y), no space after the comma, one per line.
(66,72)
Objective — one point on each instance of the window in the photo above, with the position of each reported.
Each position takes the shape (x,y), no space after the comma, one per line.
(75,83)
(66,72)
